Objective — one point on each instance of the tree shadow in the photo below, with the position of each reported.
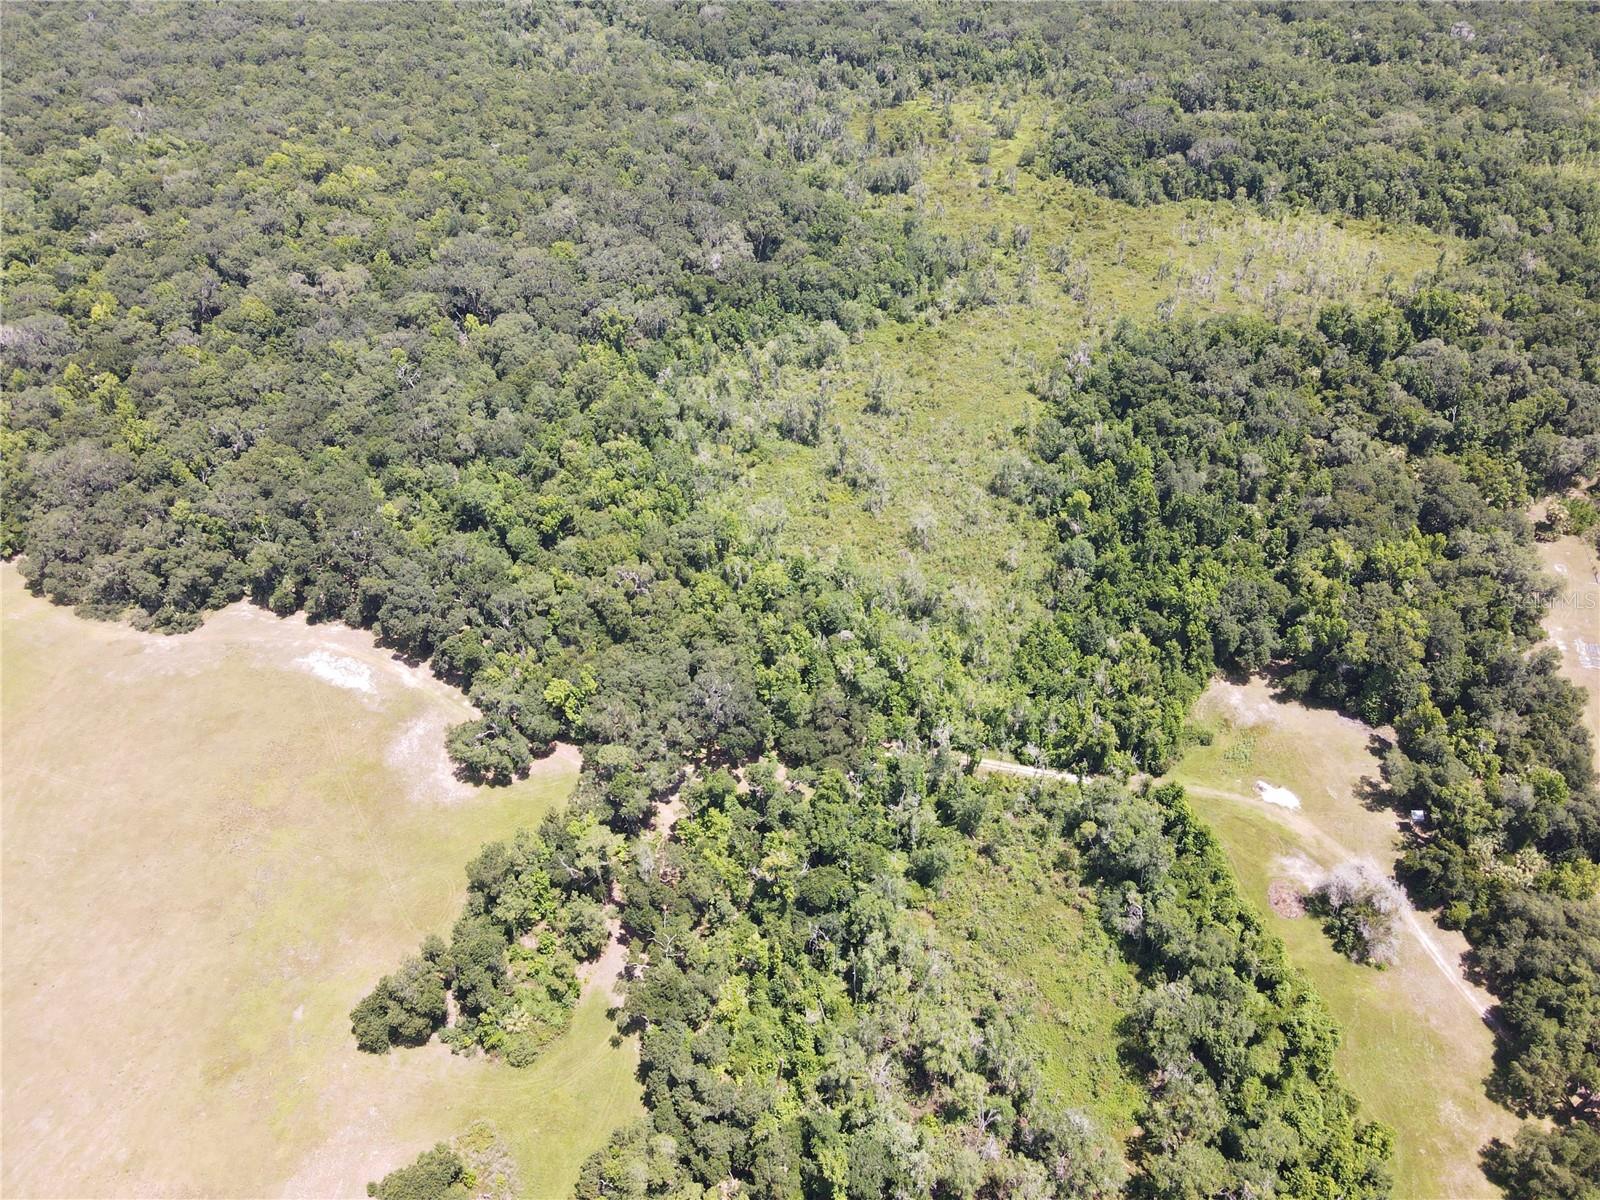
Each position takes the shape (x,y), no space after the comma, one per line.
(1376,796)
(1237,676)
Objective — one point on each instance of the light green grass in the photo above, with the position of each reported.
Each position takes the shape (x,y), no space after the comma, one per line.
(209,855)
(1015,926)
(1414,1051)
(963,402)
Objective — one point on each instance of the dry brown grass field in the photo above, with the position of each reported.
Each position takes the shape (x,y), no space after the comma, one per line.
(213,845)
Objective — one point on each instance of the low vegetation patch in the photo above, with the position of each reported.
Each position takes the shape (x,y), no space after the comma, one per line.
(1022,926)
(1359,910)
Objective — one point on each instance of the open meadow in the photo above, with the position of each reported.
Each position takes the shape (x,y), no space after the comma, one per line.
(214,844)
(1011,924)
(1573,621)
(1416,1048)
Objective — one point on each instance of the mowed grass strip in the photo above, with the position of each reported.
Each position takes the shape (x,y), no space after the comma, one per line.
(1414,1051)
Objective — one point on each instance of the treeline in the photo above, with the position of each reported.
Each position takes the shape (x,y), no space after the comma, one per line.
(1436,115)
(797,1034)
(506,982)
(1401,595)
(1359,492)
(1465,118)
(441,375)
(800,1035)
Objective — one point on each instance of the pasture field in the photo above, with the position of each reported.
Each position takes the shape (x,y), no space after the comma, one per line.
(1416,1048)
(1573,621)
(214,844)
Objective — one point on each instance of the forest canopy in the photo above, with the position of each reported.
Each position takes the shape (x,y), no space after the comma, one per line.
(460,323)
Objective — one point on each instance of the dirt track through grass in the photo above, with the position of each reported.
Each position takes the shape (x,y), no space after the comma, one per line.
(1421,931)
(1573,621)
(1447,961)
(213,845)
(1416,1049)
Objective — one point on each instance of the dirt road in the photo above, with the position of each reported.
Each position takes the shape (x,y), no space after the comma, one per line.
(1416,925)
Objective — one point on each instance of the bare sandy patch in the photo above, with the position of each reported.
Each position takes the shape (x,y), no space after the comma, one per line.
(1304,873)
(669,813)
(340,670)
(417,754)
(565,756)
(1279,797)
(1286,899)
(349,659)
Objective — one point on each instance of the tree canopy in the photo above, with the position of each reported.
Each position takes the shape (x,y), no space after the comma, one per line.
(424,318)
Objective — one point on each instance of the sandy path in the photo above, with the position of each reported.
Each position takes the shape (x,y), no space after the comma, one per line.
(1450,967)
(999,766)
(1415,924)
(604,975)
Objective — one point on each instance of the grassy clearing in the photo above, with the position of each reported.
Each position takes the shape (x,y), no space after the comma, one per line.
(210,853)
(1415,1051)
(960,380)
(1197,257)
(1573,621)
(1016,925)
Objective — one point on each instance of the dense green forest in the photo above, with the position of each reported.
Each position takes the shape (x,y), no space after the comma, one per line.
(462,323)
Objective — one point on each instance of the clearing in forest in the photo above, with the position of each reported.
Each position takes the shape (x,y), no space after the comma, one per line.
(214,845)
(1573,621)
(1016,928)
(1416,1048)
(1060,267)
